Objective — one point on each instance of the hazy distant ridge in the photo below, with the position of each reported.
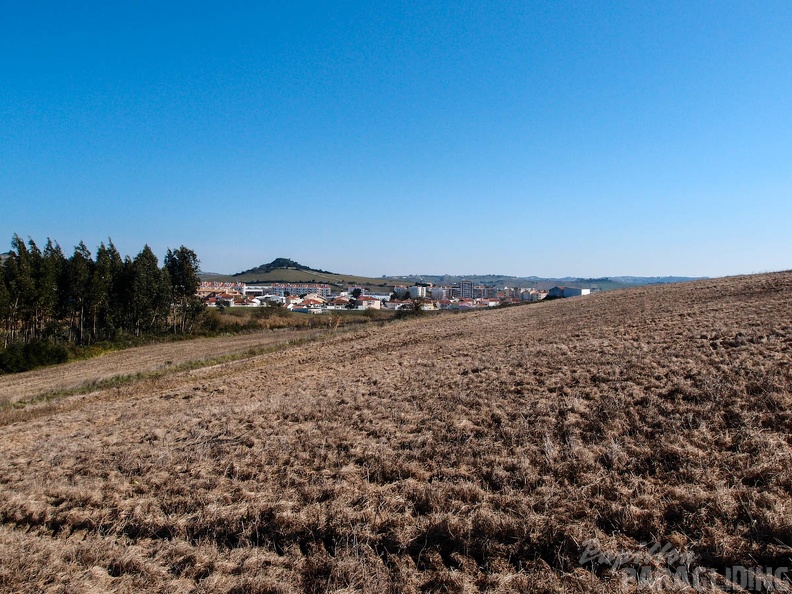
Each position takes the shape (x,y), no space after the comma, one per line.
(605,283)
(287,270)
(655,280)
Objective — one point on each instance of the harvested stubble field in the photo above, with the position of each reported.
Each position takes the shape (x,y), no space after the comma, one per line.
(472,453)
(138,361)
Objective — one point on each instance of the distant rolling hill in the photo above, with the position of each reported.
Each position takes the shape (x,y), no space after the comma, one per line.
(280,264)
(284,270)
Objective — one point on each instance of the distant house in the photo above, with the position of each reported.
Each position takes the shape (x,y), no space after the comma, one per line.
(226,299)
(444,304)
(338,303)
(465,304)
(398,304)
(532,295)
(368,302)
(313,303)
(212,289)
(267,299)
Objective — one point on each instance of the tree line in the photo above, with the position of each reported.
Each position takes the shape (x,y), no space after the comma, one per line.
(81,299)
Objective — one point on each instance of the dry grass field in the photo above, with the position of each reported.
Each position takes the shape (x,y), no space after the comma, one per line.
(483,452)
(137,360)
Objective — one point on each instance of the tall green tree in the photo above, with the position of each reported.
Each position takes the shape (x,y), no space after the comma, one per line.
(78,286)
(102,293)
(151,293)
(22,290)
(5,299)
(36,307)
(52,263)
(123,310)
(183,268)
(117,291)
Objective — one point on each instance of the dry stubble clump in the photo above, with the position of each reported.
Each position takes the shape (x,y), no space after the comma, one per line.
(470,453)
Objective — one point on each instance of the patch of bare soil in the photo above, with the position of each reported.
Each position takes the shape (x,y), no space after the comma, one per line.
(519,450)
(142,360)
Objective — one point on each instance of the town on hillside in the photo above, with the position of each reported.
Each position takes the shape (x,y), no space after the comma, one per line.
(318,298)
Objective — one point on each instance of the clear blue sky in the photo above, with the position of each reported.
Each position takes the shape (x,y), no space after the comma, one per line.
(546,138)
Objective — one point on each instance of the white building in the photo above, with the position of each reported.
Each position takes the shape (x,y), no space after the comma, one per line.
(575,292)
(300,289)
(265,299)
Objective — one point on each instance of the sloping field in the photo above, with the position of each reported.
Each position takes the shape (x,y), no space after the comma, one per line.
(517,450)
(138,360)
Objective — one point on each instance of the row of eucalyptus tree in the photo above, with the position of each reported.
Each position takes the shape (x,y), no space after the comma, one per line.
(80,299)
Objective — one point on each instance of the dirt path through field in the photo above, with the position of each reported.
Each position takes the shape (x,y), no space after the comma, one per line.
(144,359)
